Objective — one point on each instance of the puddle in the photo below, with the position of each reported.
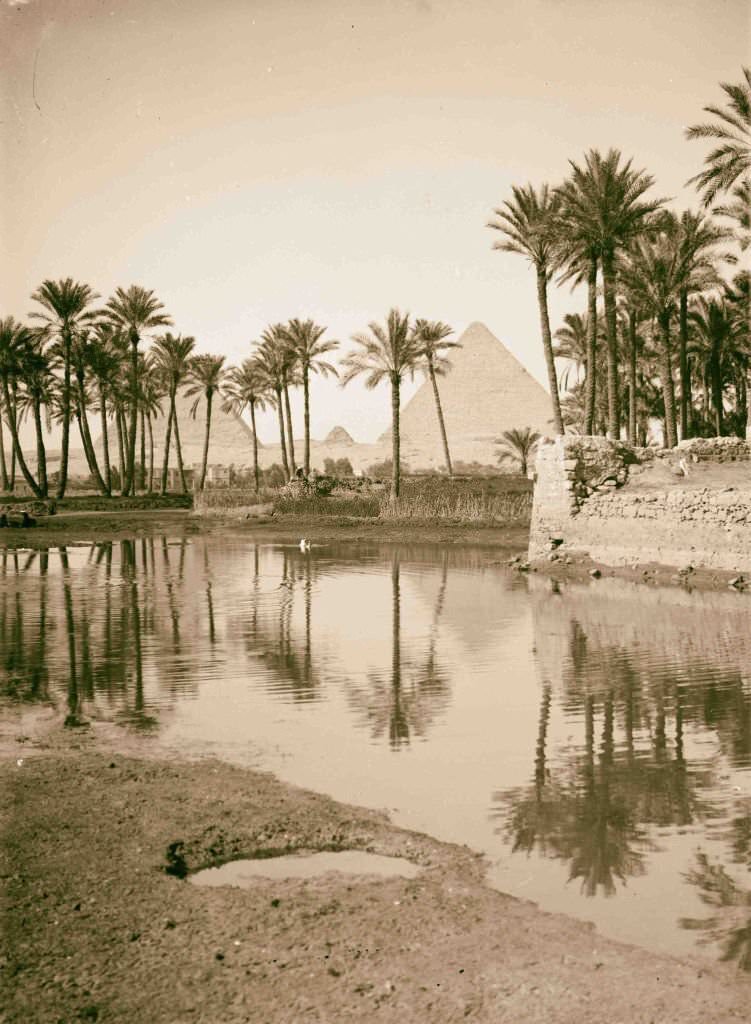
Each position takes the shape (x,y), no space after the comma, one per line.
(350,862)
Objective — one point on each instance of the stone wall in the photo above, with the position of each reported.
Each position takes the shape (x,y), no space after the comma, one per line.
(621,505)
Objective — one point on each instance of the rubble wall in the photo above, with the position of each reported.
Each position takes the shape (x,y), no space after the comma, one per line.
(621,505)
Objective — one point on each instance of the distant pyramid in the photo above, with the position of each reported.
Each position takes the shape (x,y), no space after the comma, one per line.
(230,440)
(338,435)
(486,391)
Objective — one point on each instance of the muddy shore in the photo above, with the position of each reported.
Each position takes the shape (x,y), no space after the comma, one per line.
(81,526)
(96,928)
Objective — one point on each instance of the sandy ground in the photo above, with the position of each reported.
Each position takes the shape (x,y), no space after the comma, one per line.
(94,928)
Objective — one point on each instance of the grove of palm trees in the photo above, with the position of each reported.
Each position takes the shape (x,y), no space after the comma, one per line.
(664,337)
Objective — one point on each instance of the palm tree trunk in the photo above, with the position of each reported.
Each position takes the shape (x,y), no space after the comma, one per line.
(632,378)
(3,464)
(11,415)
(167,441)
(741,397)
(129,485)
(290,438)
(439,410)
(716,380)
(683,362)
(255,444)
(88,445)
(41,453)
(178,449)
(151,454)
(306,400)
(142,480)
(668,393)
(280,412)
(590,399)
(105,440)
(395,439)
(12,474)
(608,287)
(547,344)
(65,444)
(120,443)
(205,460)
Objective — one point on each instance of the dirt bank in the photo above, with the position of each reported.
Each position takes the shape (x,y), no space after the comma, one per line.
(95,929)
(80,526)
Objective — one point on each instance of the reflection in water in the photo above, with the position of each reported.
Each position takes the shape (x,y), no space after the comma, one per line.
(730,924)
(602,801)
(612,724)
(404,702)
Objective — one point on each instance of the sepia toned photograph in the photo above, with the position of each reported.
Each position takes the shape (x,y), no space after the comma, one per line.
(375,511)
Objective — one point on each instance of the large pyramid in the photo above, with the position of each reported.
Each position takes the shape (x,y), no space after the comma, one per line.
(486,392)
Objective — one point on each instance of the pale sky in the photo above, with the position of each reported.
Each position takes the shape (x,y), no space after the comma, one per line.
(255,160)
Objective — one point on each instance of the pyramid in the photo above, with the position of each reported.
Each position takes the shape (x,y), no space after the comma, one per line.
(230,440)
(486,391)
(339,436)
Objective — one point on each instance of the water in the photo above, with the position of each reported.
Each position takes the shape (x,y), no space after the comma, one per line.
(594,742)
(243,873)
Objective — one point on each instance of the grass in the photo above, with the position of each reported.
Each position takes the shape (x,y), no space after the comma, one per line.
(95,502)
(221,499)
(476,500)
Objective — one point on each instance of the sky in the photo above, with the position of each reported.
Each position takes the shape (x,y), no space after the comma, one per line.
(256,160)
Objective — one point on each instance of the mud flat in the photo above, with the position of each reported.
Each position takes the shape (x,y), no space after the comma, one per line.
(99,923)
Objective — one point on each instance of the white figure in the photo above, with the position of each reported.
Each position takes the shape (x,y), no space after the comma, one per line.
(304,545)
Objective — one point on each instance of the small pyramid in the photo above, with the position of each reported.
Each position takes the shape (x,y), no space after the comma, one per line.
(338,435)
(486,391)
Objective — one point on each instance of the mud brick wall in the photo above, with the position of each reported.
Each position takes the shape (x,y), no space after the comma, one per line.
(593,496)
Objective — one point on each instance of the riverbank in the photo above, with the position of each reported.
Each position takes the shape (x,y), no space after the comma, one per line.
(95,928)
(72,527)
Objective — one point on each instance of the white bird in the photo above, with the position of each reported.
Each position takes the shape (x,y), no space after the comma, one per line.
(304,545)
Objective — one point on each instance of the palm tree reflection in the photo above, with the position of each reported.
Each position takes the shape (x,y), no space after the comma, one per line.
(592,806)
(730,924)
(405,703)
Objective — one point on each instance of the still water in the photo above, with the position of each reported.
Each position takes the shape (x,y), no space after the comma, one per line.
(593,740)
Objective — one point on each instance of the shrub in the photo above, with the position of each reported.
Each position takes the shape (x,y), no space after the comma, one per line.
(338,467)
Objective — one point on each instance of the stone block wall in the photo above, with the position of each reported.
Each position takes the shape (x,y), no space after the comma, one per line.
(621,505)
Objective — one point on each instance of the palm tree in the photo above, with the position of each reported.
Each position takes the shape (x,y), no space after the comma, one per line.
(527,222)
(727,168)
(104,361)
(571,343)
(518,446)
(604,197)
(80,356)
(433,337)
(713,324)
(15,340)
(38,392)
(698,237)
(151,393)
(307,348)
(272,360)
(578,251)
(134,311)
(65,304)
(171,361)
(730,163)
(654,275)
(246,386)
(207,372)
(387,352)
